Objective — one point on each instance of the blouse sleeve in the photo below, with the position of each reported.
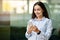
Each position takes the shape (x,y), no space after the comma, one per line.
(48,32)
(26,34)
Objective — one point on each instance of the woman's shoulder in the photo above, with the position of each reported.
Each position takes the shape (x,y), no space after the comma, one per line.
(30,20)
(48,19)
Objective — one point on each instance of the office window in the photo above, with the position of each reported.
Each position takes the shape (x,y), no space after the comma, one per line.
(14,6)
(18,6)
(31,3)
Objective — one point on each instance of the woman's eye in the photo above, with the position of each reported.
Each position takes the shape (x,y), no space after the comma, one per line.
(38,9)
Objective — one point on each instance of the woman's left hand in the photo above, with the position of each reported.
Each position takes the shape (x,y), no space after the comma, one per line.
(35,29)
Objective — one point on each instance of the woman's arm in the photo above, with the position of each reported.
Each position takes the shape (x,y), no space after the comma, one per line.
(48,32)
(29,29)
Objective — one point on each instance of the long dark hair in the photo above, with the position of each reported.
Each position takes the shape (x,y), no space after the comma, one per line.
(45,13)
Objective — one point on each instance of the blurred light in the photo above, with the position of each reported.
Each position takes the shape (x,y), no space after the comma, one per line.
(20,6)
(31,3)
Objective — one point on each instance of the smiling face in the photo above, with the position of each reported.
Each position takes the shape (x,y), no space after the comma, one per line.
(38,11)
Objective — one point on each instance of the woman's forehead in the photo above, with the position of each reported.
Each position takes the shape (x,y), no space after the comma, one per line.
(37,6)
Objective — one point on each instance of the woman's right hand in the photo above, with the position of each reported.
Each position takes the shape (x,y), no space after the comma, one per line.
(30,29)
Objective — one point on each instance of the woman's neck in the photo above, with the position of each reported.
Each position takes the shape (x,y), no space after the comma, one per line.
(39,18)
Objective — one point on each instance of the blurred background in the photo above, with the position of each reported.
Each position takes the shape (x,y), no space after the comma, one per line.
(14,15)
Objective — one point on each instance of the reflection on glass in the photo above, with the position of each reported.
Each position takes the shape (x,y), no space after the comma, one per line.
(31,3)
(12,6)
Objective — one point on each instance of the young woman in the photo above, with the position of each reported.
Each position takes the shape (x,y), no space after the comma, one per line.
(39,26)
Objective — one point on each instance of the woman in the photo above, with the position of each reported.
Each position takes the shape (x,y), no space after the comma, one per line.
(39,26)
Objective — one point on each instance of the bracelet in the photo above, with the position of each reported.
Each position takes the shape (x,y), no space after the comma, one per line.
(39,32)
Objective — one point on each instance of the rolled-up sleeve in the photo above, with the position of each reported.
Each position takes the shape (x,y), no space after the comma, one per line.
(27,35)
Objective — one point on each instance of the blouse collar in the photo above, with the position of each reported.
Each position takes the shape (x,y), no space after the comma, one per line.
(39,20)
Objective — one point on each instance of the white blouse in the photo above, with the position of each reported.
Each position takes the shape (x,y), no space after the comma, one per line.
(44,25)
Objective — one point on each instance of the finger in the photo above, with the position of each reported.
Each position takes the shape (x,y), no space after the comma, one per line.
(34,26)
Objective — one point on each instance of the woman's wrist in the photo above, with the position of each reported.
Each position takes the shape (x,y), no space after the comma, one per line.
(28,32)
(38,32)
